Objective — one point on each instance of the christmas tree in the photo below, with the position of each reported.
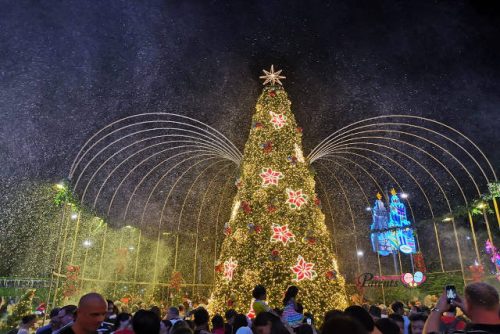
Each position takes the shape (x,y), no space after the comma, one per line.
(276,235)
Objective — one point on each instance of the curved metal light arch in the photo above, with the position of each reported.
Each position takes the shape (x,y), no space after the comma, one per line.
(164,206)
(209,188)
(378,186)
(216,134)
(428,141)
(353,145)
(202,142)
(336,134)
(348,140)
(368,204)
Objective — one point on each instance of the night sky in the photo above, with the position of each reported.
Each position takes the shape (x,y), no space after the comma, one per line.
(69,68)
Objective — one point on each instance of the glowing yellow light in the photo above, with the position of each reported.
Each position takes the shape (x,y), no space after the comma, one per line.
(299,153)
(236,207)
(481,205)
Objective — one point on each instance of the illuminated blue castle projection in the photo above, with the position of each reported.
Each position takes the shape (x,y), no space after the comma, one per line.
(391,231)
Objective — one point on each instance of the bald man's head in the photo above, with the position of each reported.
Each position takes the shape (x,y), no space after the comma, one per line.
(91,312)
(482,295)
(91,298)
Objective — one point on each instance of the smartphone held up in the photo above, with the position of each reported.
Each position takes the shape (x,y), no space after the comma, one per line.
(451,293)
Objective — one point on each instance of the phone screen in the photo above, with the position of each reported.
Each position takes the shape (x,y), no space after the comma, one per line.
(451,293)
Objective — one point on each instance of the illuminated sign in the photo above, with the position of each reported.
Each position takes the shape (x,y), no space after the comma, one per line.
(406,249)
(409,280)
(413,280)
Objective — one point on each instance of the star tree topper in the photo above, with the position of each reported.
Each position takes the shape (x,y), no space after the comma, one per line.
(272,77)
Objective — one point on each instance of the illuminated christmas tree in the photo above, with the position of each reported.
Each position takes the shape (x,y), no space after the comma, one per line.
(276,235)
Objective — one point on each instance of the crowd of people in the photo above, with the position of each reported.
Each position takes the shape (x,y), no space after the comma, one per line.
(93,314)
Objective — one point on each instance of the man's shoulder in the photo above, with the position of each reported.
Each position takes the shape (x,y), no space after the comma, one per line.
(66,330)
(47,329)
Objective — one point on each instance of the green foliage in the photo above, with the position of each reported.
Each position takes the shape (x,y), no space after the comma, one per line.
(64,195)
(435,283)
(494,190)
(22,308)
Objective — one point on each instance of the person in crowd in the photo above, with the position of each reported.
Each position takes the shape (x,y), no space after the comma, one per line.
(217,324)
(304,329)
(27,322)
(145,322)
(387,326)
(360,314)
(309,321)
(290,314)
(383,311)
(65,318)
(181,326)
(91,312)
(165,326)
(425,310)
(112,311)
(268,323)
(122,324)
(417,322)
(480,305)
(332,313)
(398,319)
(191,324)
(342,324)
(279,311)
(229,315)
(188,304)
(203,302)
(259,305)
(375,312)
(182,311)
(240,320)
(398,308)
(414,307)
(53,322)
(201,319)
(156,310)
(172,315)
